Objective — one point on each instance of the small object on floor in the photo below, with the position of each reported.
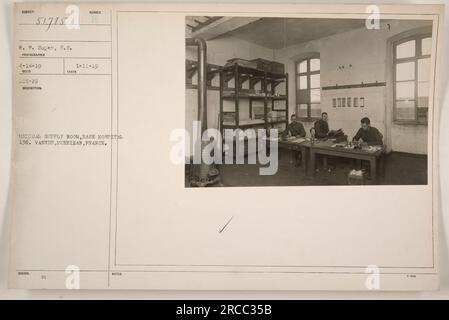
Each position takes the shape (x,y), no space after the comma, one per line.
(213,172)
(213,176)
(356,177)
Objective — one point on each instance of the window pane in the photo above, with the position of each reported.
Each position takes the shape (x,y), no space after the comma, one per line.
(426,46)
(423,102)
(405,110)
(405,90)
(315,81)
(302,96)
(422,114)
(302,66)
(349,102)
(315,95)
(314,64)
(315,110)
(302,82)
(423,89)
(406,49)
(301,110)
(423,69)
(405,71)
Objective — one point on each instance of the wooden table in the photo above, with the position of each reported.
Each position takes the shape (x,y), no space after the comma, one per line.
(325,148)
(302,147)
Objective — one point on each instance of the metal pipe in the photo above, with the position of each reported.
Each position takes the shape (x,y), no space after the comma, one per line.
(202,79)
(202,175)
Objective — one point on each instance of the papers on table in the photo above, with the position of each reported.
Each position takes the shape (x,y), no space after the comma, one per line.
(270,138)
(342,145)
(298,140)
(295,140)
(372,149)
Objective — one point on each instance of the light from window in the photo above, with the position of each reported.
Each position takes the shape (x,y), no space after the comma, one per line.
(314,64)
(302,112)
(308,87)
(412,72)
(315,81)
(405,71)
(303,82)
(302,67)
(406,49)
(426,46)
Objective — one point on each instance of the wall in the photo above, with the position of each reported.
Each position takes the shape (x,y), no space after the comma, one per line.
(367,51)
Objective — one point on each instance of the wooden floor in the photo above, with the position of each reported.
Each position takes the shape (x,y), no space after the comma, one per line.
(400,169)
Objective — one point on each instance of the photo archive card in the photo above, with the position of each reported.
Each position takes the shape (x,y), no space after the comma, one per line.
(175,146)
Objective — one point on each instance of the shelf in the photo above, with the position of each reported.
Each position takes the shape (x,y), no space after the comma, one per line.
(353,86)
(266,95)
(245,123)
(254,72)
(253,123)
(213,70)
(195,87)
(246,96)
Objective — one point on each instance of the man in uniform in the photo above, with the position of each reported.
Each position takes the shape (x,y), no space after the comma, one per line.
(367,134)
(322,127)
(296,129)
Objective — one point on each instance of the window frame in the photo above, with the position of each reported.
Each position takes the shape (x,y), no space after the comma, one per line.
(415,59)
(308,75)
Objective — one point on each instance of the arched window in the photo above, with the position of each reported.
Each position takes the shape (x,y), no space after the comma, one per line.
(308,89)
(411,69)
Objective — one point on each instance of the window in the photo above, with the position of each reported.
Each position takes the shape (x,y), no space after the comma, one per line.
(308,90)
(411,79)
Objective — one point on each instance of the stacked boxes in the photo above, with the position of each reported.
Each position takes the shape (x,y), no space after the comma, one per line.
(260,64)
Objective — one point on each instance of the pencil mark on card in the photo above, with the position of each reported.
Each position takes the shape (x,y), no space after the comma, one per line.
(224,227)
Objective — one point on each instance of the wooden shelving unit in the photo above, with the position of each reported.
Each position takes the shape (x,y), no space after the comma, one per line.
(268,95)
(192,69)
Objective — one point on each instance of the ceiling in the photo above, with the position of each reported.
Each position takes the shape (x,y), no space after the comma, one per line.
(198,22)
(276,33)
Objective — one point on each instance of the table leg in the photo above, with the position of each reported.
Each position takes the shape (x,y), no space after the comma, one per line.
(312,162)
(382,165)
(373,168)
(304,159)
(324,163)
(293,157)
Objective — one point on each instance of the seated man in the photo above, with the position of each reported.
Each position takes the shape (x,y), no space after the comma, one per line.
(367,134)
(322,127)
(321,130)
(296,129)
